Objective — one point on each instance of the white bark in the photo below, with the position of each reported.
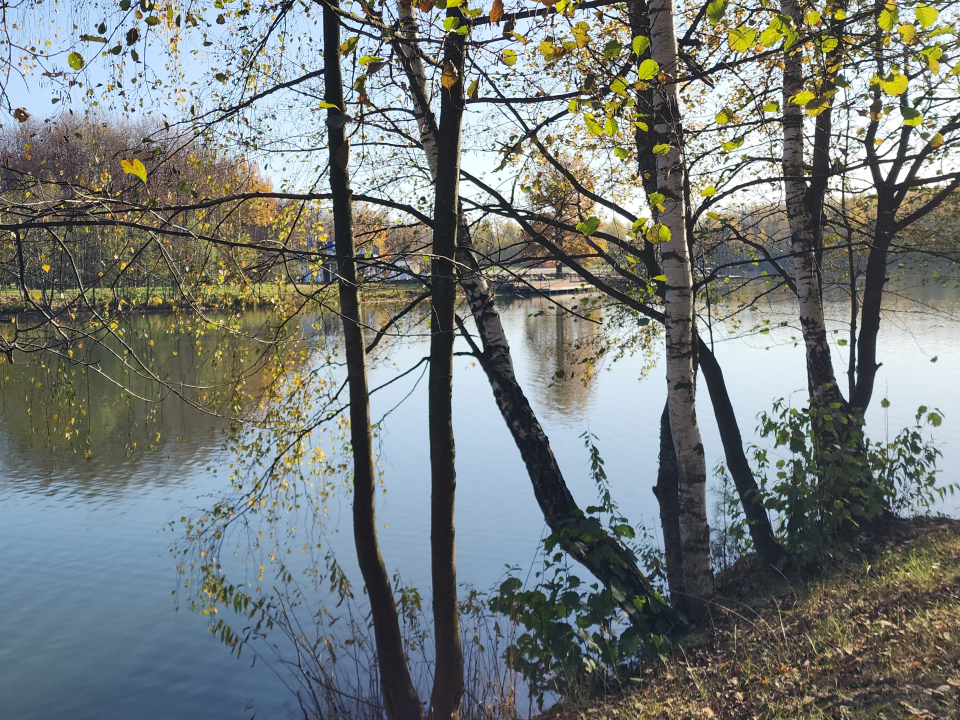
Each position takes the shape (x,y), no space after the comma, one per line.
(407,44)
(804,226)
(679,312)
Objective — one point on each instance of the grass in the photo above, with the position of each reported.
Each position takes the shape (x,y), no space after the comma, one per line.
(877,638)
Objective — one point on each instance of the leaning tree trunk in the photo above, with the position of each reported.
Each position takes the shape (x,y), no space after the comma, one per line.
(608,560)
(679,318)
(399,696)
(448,673)
(758,522)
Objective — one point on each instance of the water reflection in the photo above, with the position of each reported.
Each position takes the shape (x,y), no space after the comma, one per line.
(82,424)
(561,349)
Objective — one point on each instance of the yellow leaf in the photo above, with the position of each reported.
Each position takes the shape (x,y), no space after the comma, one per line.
(46,268)
(134,167)
(509,57)
(897,85)
(937,141)
(496,12)
(908,33)
(450,75)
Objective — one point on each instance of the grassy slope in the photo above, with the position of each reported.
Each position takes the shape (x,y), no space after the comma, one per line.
(878,638)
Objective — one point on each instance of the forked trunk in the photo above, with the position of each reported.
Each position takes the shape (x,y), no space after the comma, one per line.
(679,318)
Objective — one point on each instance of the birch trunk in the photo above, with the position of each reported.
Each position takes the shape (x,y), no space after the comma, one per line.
(679,318)
(448,674)
(667,491)
(803,214)
(761,531)
(399,696)
(609,561)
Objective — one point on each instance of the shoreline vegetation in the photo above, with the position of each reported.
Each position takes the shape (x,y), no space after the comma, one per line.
(263,295)
(875,637)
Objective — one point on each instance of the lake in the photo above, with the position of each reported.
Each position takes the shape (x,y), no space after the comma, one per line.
(90,626)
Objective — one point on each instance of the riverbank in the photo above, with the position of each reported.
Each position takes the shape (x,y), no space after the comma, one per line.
(878,638)
(216,297)
(226,297)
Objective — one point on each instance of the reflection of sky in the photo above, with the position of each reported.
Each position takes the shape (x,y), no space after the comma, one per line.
(90,630)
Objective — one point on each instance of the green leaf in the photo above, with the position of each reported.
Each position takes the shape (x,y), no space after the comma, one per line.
(887,19)
(75,61)
(589,226)
(610,127)
(327,106)
(926,15)
(612,49)
(911,117)
(716,10)
(724,116)
(659,278)
(827,43)
(367,59)
(708,191)
(656,198)
(592,125)
(92,38)
(640,44)
(152,20)
(772,106)
(451,23)
(648,69)
(802,98)
(348,46)
(618,86)
(741,39)
(621,152)
(733,144)
(663,233)
(770,36)
(661,149)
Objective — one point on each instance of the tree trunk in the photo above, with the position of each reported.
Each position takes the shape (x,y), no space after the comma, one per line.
(679,319)
(758,522)
(667,491)
(804,220)
(448,673)
(609,561)
(399,696)
(875,278)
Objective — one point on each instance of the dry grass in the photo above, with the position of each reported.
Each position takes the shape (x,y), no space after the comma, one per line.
(878,639)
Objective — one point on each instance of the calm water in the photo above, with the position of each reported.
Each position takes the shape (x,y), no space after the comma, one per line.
(89,627)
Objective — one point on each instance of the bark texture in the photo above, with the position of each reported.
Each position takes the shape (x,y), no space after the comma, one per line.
(804,209)
(448,674)
(679,318)
(399,696)
(667,491)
